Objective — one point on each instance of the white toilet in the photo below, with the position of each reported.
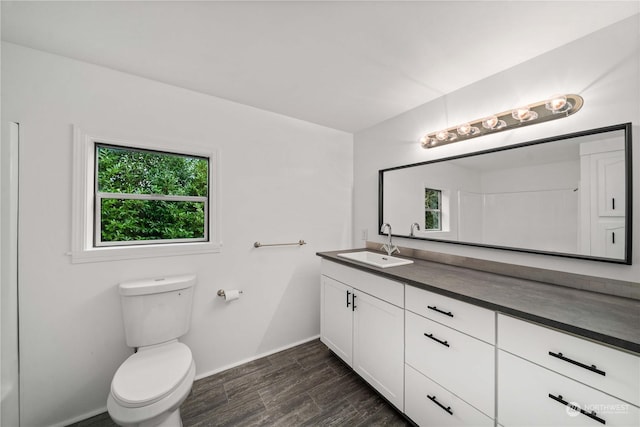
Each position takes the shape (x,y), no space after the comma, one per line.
(149,387)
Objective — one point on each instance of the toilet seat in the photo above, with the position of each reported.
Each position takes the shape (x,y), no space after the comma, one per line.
(151,374)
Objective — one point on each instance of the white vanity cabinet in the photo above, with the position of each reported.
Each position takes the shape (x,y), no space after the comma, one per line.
(448,353)
(444,361)
(362,321)
(550,378)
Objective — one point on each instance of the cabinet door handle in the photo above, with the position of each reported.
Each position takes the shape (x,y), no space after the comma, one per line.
(613,203)
(613,237)
(444,343)
(446,313)
(433,399)
(593,415)
(348,293)
(353,302)
(591,368)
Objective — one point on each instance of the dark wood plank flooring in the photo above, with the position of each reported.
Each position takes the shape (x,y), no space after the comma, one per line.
(303,386)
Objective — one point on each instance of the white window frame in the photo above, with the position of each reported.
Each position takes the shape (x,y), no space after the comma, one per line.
(83,199)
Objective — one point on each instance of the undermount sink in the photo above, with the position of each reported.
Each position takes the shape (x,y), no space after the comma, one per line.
(375,259)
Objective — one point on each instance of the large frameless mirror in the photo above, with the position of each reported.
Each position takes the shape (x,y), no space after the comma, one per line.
(568,195)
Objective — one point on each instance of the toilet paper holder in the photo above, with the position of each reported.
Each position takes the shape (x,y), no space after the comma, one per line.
(222,294)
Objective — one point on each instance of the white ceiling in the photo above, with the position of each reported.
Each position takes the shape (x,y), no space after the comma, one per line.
(345,65)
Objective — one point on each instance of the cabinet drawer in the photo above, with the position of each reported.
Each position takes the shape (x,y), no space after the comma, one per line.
(421,395)
(468,318)
(619,372)
(379,287)
(530,395)
(458,362)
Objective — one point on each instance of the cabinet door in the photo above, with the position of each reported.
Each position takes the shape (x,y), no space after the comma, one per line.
(378,346)
(608,238)
(336,321)
(614,240)
(611,185)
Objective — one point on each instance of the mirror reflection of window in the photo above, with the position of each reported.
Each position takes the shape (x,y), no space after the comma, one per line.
(432,209)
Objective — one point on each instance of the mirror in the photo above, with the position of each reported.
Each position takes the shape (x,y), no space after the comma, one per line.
(568,195)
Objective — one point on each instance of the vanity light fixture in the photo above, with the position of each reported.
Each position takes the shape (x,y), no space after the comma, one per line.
(556,107)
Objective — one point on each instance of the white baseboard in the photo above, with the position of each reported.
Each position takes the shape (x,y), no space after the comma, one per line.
(256,357)
(80,417)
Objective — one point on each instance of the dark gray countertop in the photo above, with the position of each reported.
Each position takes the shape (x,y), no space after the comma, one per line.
(604,318)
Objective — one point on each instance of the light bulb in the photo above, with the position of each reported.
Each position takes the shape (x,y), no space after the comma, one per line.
(427,141)
(522,113)
(490,122)
(464,129)
(442,135)
(556,103)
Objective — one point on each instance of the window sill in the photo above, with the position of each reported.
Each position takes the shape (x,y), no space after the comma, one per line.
(143,251)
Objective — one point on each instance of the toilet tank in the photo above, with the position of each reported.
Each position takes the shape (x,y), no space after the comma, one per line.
(156,310)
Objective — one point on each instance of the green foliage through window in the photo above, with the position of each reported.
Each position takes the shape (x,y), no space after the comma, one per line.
(148,196)
(432,209)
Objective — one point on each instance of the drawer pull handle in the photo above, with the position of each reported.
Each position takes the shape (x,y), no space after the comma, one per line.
(444,343)
(593,415)
(591,368)
(446,313)
(433,399)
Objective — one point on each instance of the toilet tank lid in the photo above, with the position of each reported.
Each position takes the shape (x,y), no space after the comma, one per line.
(155,286)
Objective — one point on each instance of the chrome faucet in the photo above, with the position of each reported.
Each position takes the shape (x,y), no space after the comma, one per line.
(414,226)
(388,247)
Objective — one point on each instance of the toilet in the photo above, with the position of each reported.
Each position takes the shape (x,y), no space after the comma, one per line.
(149,387)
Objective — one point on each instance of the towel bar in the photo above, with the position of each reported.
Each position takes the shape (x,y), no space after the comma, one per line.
(298,243)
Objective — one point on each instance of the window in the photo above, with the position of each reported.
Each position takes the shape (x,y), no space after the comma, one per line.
(432,209)
(144,196)
(142,199)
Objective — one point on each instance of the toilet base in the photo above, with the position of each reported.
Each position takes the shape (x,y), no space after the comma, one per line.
(167,419)
(171,419)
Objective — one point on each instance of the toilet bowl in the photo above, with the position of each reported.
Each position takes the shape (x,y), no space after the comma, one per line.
(149,387)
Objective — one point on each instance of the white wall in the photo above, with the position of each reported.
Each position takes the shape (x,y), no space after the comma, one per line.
(603,67)
(281,180)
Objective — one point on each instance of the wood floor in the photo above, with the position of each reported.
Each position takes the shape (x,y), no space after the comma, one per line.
(303,386)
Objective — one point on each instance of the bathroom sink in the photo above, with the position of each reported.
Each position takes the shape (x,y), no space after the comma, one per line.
(375,259)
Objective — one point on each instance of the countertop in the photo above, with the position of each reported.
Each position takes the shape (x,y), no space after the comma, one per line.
(603,318)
